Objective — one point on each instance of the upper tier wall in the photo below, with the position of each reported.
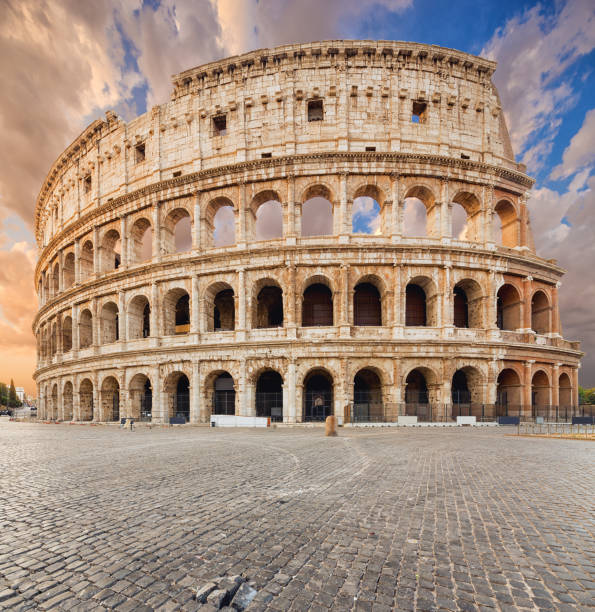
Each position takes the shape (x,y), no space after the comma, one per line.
(369,91)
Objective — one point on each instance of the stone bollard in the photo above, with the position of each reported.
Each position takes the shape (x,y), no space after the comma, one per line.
(330,426)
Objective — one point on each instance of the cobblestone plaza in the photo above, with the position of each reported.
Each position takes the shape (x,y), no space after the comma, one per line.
(95,517)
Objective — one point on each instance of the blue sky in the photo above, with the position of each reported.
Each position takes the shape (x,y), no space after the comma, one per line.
(64,62)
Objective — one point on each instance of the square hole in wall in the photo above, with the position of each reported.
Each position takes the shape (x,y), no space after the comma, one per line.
(266,155)
(315,110)
(370,149)
(139,153)
(87,183)
(177,173)
(418,113)
(220,125)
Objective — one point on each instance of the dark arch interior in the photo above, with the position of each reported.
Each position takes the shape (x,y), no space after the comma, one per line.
(147,320)
(224,311)
(461,308)
(183,314)
(269,396)
(508,308)
(269,307)
(146,402)
(459,389)
(182,398)
(415,306)
(224,396)
(416,388)
(367,396)
(367,308)
(318,396)
(317,306)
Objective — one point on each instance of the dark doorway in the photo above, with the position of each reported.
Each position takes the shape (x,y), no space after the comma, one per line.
(224,397)
(318,396)
(146,402)
(461,308)
(269,396)
(367,308)
(182,398)
(224,311)
(415,306)
(269,307)
(146,321)
(183,315)
(459,389)
(367,397)
(416,395)
(317,309)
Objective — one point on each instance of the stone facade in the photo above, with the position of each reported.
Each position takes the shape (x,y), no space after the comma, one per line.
(298,326)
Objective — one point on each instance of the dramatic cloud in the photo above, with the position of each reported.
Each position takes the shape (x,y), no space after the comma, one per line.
(534,51)
(581,150)
(366,216)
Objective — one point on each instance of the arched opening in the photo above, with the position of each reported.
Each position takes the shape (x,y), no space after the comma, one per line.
(86,400)
(508,308)
(109,323)
(54,339)
(67,402)
(460,307)
(177,231)
(141,241)
(460,393)
(110,399)
(139,318)
(266,219)
(416,394)
(176,312)
(367,305)
(540,313)
(85,329)
(468,304)
(317,217)
(110,251)
(223,230)
(269,307)
(66,334)
(53,412)
(366,216)
(224,395)
(415,306)
(317,306)
(177,396)
(269,396)
(68,271)
(224,311)
(508,393)
(367,397)
(459,222)
(56,279)
(540,393)
(565,391)
(417,221)
(318,396)
(140,395)
(506,224)
(466,222)
(86,261)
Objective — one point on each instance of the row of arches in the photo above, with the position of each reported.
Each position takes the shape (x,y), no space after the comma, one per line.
(368,395)
(317,309)
(265,220)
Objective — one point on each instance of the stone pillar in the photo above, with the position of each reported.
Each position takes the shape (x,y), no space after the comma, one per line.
(527,401)
(396,220)
(95,323)
(76,342)
(492,384)
(157,405)
(61,272)
(241,216)
(574,383)
(76,402)
(155,309)
(241,304)
(194,319)
(96,252)
(555,389)
(341,221)
(60,406)
(289,221)
(446,304)
(124,257)
(77,261)
(196,223)
(290,415)
(195,408)
(343,310)
(244,408)
(122,316)
(492,300)
(156,233)
(526,304)
(555,312)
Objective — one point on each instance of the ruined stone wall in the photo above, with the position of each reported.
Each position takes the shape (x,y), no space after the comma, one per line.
(337,120)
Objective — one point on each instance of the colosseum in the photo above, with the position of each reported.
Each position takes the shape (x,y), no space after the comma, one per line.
(329,228)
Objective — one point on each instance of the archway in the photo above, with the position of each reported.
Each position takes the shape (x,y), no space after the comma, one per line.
(508,393)
(110,399)
(53,412)
(367,305)
(367,397)
(85,329)
(177,395)
(506,224)
(269,396)
(56,279)
(110,251)
(565,403)
(468,304)
(540,394)
(266,219)
(68,271)
(317,306)
(177,231)
(366,216)
(466,220)
(318,396)
(459,222)
(417,401)
(415,218)
(86,400)
(268,311)
(86,261)
(140,393)
(176,312)
(224,395)
(415,306)
(224,311)
(66,334)
(141,241)
(540,313)
(317,217)
(67,403)
(109,323)
(508,307)
(139,318)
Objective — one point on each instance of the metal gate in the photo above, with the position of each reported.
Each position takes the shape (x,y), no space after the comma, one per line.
(146,407)
(318,405)
(224,402)
(116,406)
(270,404)
(182,405)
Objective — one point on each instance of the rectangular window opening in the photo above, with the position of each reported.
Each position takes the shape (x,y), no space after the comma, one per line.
(315,110)
(370,149)
(87,183)
(177,173)
(418,114)
(266,155)
(220,125)
(463,156)
(139,153)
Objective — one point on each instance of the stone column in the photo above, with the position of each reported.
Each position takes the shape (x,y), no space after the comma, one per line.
(555,312)
(95,323)
(61,273)
(290,306)
(156,233)
(526,304)
(555,389)
(96,252)
(122,316)
(574,386)
(77,261)
(343,310)
(289,415)
(396,220)
(76,402)
(196,223)
(241,305)
(241,390)
(124,258)
(447,302)
(195,408)
(527,388)
(157,405)
(60,406)
(194,319)
(76,342)
(492,299)
(341,221)
(154,316)
(289,228)
(241,216)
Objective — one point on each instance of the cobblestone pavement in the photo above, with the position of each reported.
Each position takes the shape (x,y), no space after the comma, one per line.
(99,518)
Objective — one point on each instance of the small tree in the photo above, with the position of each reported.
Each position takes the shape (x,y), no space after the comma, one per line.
(3,394)
(13,398)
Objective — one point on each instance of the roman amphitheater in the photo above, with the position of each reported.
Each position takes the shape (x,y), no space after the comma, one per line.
(329,228)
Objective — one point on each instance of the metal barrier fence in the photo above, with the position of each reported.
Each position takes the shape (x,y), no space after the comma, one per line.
(375,412)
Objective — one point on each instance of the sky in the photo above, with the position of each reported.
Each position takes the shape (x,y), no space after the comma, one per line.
(65,62)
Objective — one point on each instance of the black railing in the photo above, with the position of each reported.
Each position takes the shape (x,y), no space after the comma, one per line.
(317,405)
(270,404)
(224,402)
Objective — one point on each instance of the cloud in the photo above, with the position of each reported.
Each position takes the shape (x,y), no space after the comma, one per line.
(580,152)
(366,215)
(534,52)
